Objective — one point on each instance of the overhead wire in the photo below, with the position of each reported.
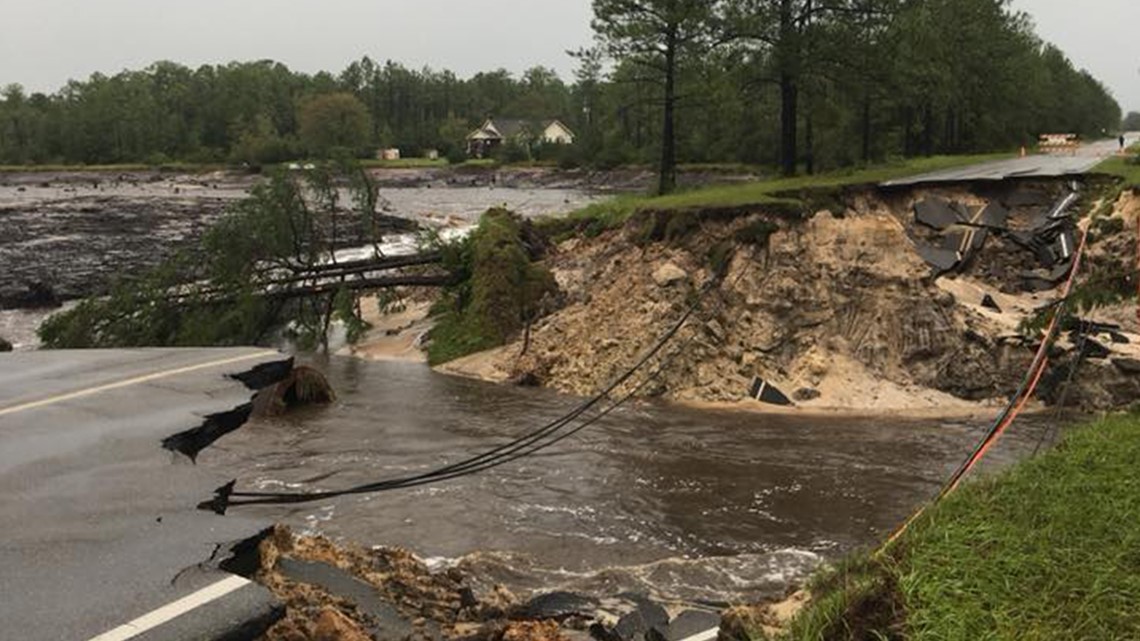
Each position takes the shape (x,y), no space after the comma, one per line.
(1012,409)
(526,445)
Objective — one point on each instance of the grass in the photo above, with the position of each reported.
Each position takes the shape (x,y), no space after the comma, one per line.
(1124,167)
(1049,549)
(786,192)
(404,163)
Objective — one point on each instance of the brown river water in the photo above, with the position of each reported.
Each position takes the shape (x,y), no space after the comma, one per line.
(688,505)
(699,506)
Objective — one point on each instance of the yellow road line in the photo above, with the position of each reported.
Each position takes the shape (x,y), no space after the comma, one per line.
(131,381)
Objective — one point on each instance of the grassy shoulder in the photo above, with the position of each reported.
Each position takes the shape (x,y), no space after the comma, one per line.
(1127,168)
(1049,549)
(786,192)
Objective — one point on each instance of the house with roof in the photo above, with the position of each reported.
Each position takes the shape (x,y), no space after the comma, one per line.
(497,131)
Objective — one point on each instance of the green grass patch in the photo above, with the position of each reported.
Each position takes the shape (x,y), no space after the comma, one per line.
(404,163)
(784,193)
(1127,168)
(1049,549)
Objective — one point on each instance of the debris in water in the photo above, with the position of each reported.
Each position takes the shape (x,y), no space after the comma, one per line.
(302,386)
(989,303)
(765,392)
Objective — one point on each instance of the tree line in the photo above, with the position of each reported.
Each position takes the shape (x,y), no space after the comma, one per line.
(802,85)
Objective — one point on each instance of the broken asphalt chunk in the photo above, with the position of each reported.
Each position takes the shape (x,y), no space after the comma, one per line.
(938,213)
(765,392)
(557,606)
(994,215)
(265,374)
(1093,349)
(690,623)
(388,624)
(942,260)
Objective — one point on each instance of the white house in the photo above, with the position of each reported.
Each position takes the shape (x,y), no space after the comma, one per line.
(495,131)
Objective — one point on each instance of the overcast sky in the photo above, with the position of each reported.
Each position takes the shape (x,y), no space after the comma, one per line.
(43,43)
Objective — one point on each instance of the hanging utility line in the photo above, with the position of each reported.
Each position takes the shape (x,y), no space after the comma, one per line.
(528,444)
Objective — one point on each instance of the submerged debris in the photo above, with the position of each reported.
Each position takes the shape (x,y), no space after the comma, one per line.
(388,594)
(302,386)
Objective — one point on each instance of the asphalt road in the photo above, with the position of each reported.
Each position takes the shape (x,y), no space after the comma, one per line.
(1035,166)
(99,522)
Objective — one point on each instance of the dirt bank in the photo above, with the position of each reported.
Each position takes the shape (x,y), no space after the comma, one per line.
(348,593)
(836,309)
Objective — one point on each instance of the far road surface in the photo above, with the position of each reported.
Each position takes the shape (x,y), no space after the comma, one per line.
(1086,157)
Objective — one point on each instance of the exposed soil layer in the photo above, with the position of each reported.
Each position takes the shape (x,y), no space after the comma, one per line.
(838,310)
(346,592)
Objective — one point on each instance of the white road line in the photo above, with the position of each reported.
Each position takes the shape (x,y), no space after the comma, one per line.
(707,635)
(170,611)
(131,381)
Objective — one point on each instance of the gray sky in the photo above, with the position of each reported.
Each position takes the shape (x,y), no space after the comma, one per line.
(43,43)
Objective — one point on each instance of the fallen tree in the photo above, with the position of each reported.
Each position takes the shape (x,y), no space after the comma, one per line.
(267,270)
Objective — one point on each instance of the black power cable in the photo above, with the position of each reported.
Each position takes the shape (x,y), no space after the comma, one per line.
(526,445)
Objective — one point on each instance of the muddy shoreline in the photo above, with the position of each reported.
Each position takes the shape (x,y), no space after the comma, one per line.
(70,234)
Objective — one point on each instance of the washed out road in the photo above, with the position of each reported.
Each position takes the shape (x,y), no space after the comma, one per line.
(100,525)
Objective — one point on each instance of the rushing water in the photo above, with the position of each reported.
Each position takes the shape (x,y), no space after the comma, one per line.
(110,227)
(691,505)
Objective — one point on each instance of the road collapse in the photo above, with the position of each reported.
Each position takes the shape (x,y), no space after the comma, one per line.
(962,233)
(350,593)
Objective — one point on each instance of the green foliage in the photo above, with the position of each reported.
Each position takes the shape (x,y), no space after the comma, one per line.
(1131,121)
(212,296)
(1046,550)
(500,289)
(872,80)
(333,121)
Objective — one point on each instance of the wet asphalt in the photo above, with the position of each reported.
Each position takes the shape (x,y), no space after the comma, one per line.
(99,522)
(1057,165)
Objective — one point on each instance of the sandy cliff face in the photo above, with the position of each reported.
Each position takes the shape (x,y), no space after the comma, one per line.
(839,312)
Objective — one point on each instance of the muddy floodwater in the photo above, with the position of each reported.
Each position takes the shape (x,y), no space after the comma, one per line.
(701,506)
(76,233)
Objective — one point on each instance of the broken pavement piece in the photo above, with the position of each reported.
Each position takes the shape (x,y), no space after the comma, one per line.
(558,605)
(942,260)
(1037,282)
(765,392)
(389,625)
(994,216)
(1065,245)
(690,623)
(1093,349)
(938,213)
